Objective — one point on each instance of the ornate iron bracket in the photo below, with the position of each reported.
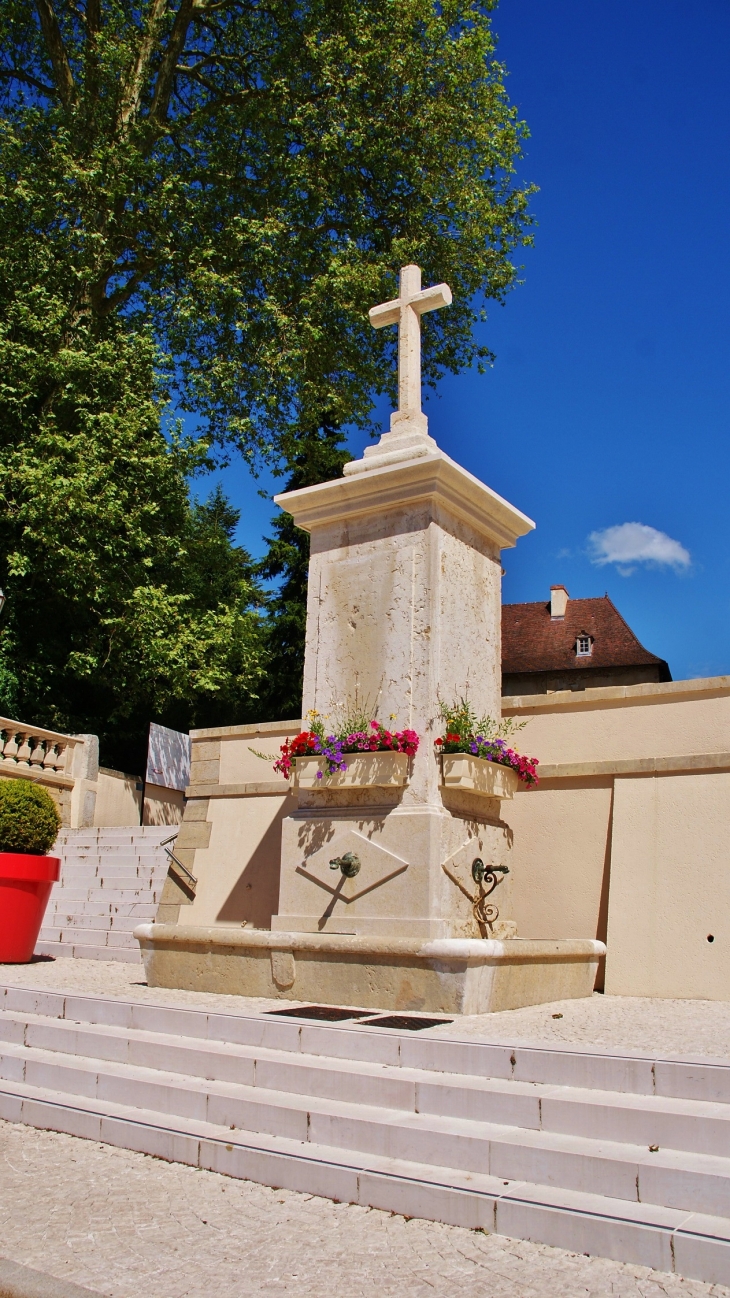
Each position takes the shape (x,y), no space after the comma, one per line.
(485,912)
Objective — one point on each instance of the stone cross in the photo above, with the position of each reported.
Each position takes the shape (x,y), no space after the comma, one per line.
(406,312)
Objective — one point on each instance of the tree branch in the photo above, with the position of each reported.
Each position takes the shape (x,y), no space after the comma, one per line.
(93,27)
(166,74)
(132,91)
(57,53)
(12,74)
(103,305)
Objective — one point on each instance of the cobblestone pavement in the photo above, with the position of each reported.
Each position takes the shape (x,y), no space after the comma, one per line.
(669,1027)
(124,1224)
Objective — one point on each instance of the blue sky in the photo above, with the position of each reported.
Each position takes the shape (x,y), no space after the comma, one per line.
(609,401)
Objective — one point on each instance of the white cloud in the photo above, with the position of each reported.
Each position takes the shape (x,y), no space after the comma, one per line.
(631,543)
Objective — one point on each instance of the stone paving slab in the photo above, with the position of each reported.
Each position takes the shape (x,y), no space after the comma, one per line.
(666,1027)
(124,1224)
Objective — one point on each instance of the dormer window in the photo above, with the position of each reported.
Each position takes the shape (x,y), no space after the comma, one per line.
(584,646)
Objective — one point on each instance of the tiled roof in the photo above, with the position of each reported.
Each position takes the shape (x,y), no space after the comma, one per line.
(534,642)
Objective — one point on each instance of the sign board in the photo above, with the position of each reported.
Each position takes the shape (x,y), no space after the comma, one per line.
(168,758)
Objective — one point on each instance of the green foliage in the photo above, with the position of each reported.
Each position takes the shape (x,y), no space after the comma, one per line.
(459,718)
(126,601)
(248,180)
(29,819)
(200,199)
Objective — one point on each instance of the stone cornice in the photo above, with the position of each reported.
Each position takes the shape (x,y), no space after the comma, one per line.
(250,789)
(617,696)
(248,731)
(430,478)
(687,764)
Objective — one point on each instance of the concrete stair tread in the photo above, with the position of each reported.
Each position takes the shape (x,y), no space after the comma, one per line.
(477,1134)
(68,1029)
(355,1041)
(106,1121)
(111,880)
(360,1126)
(78,951)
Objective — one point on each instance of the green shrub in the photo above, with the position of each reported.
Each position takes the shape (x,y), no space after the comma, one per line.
(29,819)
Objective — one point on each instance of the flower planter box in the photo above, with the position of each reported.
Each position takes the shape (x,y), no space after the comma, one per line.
(363,771)
(25,886)
(476,775)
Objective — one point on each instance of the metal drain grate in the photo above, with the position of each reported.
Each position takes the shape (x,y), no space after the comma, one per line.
(406,1022)
(326,1013)
(368,1018)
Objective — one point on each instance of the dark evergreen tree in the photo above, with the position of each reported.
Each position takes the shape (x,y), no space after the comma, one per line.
(321,457)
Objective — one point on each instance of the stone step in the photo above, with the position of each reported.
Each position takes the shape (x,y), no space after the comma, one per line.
(106,874)
(88,937)
(106,851)
(682,1182)
(94,868)
(142,834)
(525,1139)
(476,1125)
(102,906)
(79,951)
(111,893)
(90,920)
(693,1244)
(138,890)
(627,1073)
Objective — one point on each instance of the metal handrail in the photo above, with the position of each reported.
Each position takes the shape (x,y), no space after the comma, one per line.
(178,863)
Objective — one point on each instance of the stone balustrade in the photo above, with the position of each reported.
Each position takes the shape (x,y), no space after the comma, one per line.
(30,749)
(59,762)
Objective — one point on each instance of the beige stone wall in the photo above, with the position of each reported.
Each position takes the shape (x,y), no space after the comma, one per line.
(230,836)
(626,837)
(118,798)
(162,806)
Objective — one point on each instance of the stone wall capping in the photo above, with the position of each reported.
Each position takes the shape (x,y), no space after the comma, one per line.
(252,789)
(258,728)
(432,478)
(616,696)
(690,764)
(50,778)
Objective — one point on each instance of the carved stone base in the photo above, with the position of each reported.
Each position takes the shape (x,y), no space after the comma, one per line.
(447,976)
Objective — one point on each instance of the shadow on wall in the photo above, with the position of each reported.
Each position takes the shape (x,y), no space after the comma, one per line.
(162,806)
(255,896)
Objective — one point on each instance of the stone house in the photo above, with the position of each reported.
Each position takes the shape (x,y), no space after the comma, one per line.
(572,644)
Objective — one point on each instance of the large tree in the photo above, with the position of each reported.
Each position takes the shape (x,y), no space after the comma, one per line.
(321,456)
(201,199)
(127,599)
(248,177)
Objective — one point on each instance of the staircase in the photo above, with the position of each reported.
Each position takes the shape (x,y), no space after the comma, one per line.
(111,880)
(620,1156)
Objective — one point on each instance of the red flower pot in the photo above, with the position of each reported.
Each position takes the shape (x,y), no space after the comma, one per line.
(25,886)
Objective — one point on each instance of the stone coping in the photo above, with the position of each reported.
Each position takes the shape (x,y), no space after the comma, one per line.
(462,950)
(248,731)
(432,478)
(252,789)
(687,765)
(617,695)
(9,771)
(37,732)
